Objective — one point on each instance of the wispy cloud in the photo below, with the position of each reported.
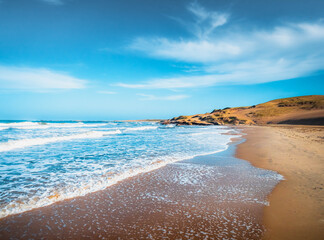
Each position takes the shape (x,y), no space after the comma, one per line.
(149,97)
(53,2)
(240,56)
(201,51)
(107,92)
(37,79)
(249,73)
(205,22)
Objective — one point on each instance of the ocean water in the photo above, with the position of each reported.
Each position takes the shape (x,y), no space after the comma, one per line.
(45,162)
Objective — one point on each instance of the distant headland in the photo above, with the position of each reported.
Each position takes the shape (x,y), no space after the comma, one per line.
(302,110)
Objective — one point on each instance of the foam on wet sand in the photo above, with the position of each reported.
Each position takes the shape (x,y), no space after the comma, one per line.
(215,196)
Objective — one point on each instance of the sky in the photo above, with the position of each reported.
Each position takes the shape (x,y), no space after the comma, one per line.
(127,59)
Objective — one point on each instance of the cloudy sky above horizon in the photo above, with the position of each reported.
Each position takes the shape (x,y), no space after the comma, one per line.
(108,60)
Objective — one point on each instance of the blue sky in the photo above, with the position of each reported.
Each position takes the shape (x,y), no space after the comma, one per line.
(126,59)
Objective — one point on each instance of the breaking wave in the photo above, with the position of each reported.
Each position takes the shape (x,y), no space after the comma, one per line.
(22,143)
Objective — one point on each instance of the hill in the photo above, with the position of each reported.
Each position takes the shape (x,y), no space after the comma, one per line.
(303,110)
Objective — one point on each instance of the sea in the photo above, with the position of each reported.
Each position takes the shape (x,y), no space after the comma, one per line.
(43,162)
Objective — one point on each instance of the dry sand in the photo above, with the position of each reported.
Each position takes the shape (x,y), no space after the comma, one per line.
(296,208)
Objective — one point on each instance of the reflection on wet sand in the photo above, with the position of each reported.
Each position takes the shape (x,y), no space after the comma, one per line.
(215,196)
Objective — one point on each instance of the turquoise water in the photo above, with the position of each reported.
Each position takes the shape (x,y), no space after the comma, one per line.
(45,162)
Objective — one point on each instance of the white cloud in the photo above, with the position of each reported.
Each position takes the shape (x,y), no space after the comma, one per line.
(236,56)
(292,39)
(149,97)
(200,51)
(205,21)
(37,79)
(107,92)
(259,71)
(53,2)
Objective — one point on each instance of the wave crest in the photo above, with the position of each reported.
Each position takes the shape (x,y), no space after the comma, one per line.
(22,143)
(44,125)
(141,128)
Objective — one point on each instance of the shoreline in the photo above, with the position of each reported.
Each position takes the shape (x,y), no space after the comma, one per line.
(55,199)
(148,203)
(58,198)
(191,199)
(296,208)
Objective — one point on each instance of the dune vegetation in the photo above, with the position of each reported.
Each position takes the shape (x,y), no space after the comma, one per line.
(308,110)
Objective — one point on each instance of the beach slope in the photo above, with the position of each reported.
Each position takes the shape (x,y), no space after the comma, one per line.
(296,208)
(302,110)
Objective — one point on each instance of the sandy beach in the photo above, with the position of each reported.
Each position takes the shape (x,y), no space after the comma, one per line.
(187,119)
(296,208)
(214,196)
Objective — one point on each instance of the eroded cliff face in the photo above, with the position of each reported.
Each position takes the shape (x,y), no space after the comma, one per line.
(296,110)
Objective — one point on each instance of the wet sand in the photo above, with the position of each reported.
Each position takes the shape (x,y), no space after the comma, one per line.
(208,197)
(296,208)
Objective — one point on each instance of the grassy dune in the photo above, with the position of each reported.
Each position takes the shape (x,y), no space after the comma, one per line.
(307,110)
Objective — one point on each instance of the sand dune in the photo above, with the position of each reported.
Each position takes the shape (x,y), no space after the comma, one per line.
(308,110)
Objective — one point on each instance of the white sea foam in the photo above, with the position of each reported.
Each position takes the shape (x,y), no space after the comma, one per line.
(22,143)
(222,131)
(95,167)
(79,124)
(12,124)
(23,125)
(141,128)
(106,180)
(44,125)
